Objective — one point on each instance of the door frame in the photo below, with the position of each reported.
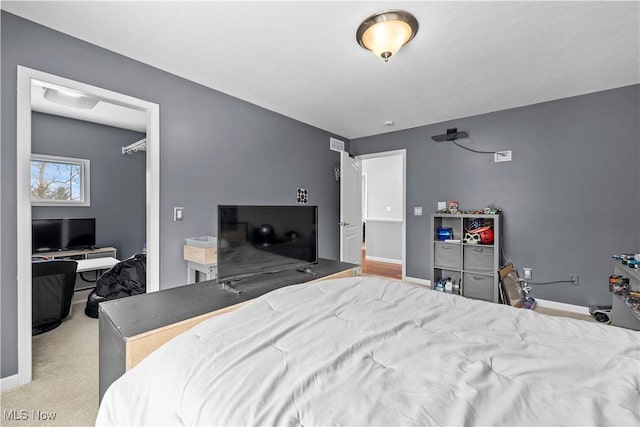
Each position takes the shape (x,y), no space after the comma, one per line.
(23,202)
(403,154)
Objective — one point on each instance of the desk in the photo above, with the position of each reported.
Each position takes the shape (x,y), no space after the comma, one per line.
(92,264)
(96,259)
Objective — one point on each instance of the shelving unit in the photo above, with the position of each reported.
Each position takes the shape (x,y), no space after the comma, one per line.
(473,266)
(622,314)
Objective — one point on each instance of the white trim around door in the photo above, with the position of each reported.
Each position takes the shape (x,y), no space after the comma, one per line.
(23,206)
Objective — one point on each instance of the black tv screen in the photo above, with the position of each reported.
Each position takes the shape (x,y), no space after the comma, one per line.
(46,235)
(78,233)
(62,233)
(265,239)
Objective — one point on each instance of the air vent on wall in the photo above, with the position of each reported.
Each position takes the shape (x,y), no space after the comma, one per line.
(336,144)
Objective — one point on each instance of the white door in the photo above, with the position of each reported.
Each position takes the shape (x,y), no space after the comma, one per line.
(350,209)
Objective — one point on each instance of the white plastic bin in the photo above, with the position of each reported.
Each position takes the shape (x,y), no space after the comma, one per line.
(202,242)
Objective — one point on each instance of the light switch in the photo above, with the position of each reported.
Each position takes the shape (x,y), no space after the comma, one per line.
(388,208)
(178,214)
(417,210)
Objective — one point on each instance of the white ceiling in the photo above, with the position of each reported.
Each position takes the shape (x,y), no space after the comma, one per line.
(301,59)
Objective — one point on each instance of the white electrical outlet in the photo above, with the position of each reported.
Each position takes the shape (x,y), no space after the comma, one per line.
(502,156)
(417,210)
(528,273)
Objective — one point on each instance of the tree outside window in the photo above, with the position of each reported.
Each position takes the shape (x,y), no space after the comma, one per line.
(59,181)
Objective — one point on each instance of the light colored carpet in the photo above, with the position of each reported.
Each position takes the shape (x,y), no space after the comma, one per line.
(65,377)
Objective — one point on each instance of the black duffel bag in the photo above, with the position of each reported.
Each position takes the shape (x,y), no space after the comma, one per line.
(124,279)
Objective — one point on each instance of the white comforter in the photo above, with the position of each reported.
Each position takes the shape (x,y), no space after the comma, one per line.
(369,351)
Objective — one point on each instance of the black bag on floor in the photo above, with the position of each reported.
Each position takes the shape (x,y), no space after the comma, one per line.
(126,278)
(91,308)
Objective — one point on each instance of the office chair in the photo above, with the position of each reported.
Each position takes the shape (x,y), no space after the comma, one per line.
(52,284)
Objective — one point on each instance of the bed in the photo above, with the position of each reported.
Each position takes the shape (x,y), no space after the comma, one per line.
(372,351)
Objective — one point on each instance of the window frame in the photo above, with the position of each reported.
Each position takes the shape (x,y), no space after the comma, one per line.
(85,178)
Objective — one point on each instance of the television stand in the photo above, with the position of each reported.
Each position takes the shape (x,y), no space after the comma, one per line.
(77,254)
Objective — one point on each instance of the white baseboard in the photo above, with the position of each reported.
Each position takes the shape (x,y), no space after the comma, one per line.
(562,306)
(388,260)
(423,282)
(7,383)
(541,302)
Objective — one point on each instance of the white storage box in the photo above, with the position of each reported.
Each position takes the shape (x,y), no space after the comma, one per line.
(202,242)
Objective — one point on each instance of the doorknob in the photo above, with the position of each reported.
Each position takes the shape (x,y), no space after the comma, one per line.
(344,223)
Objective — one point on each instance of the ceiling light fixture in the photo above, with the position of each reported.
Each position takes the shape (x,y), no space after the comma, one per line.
(69,98)
(385,32)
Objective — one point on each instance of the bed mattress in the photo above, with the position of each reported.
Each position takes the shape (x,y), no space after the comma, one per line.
(371,351)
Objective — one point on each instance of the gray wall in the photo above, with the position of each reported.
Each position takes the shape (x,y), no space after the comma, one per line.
(569,196)
(214,149)
(384,240)
(117,181)
(384,187)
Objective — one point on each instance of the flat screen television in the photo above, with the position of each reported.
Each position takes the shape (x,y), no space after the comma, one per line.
(265,239)
(48,235)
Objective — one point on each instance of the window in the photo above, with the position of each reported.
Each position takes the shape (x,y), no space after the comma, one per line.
(59,181)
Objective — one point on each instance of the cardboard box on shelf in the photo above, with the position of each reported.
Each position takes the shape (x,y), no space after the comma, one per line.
(201,250)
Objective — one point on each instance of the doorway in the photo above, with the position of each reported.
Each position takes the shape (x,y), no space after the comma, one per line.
(26,78)
(379,191)
(383,214)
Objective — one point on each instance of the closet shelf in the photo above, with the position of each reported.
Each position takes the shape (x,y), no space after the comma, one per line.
(136,146)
